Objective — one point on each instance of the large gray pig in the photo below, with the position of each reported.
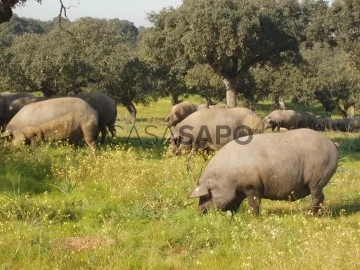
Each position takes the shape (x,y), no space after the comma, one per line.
(288,119)
(106,108)
(346,124)
(207,129)
(56,119)
(277,166)
(306,120)
(179,112)
(323,123)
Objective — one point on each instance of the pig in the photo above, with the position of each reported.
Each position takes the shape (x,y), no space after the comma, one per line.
(106,109)
(179,112)
(277,166)
(11,103)
(323,123)
(288,119)
(57,119)
(212,129)
(346,124)
(306,120)
(202,106)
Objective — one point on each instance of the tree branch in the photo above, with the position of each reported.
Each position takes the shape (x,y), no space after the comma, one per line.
(61,13)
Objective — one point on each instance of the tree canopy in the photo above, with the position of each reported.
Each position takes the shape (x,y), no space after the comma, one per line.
(229,36)
(304,51)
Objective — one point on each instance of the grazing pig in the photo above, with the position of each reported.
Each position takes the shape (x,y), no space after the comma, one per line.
(346,124)
(323,123)
(179,112)
(341,124)
(288,119)
(56,119)
(106,108)
(277,166)
(306,120)
(207,129)
(354,124)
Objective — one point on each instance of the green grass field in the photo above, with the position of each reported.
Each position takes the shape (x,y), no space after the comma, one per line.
(126,207)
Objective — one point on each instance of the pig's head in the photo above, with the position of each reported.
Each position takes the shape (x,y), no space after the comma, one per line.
(268,122)
(205,198)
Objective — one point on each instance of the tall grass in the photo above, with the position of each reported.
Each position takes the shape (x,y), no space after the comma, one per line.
(126,207)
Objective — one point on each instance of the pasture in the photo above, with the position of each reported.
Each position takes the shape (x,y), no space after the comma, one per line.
(126,207)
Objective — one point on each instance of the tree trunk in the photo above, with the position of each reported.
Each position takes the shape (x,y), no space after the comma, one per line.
(209,101)
(279,103)
(328,112)
(230,92)
(131,108)
(48,92)
(342,111)
(174,99)
(352,111)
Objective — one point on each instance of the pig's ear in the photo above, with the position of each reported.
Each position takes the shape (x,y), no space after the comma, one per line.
(168,117)
(199,191)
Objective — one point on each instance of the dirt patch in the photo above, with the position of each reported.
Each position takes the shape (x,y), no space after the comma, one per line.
(81,243)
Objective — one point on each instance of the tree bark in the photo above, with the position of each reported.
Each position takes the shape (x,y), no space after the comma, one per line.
(342,111)
(279,103)
(48,92)
(352,111)
(230,92)
(131,108)
(328,112)
(174,99)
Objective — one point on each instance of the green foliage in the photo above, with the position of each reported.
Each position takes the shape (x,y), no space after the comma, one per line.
(239,49)
(229,36)
(92,54)
(316,23)
(204,82)
(18,26)
(35,64)
(334,79)
(345,21)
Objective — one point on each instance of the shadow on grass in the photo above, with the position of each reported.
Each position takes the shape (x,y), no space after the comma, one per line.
(342,208)
(151,119)
(345,208)
(23,173)
(156,146)
(333,211)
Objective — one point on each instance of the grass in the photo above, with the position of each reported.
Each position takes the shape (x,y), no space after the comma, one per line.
(126,207)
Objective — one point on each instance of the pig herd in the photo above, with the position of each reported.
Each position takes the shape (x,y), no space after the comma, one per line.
(290,119)
(250,164)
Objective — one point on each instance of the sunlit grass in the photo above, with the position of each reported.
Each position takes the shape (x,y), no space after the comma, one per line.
(126,207)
